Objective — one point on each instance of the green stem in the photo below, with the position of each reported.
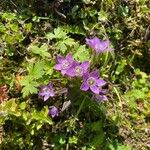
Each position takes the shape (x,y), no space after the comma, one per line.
(106,59)
(93,60)
(80,108)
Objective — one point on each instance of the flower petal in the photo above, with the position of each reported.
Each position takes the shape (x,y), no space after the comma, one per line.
(98,45)
(96,40)
(69,57)
(42,93)
(70,72)
(100,98)
(86,76)
(51,92)
(94,89)
(63,72)
(103,91)
(84,86)
(95,74)
(85,66)
(104,98)
(53,111)
(92,42)
(100,82)
(58,67)
(103,45)
(50,85)
(88,41)
(60,59)
(46,97)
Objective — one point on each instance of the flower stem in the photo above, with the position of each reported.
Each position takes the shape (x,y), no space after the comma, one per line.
(106,59)
(80,108)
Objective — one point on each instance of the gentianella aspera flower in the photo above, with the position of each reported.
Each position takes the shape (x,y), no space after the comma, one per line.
(53,111)
(99,45)
(78,69)
(93,82)
(46,91)
(64,63)
(100,98)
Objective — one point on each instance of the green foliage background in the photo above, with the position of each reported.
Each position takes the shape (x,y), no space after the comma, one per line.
(33,32)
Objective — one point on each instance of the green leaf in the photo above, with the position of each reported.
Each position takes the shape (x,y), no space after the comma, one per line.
(25,81)
(73,140)
(10,107)
(62,47)
(121,66)
(49,67)
(38,126)
(59,33)
(9,39)
(14,27)
(132,96)
(9,16)
(35,49)
(29,82)
(22,105)
(118,146)
(29,86)
(74,29)
(96,126)
(29,89)
(68,41)
(62,140)
(2,28)
(102,16)
(82,53)
(42,51)
(42,116)
(98,139)
(28,26)
(50,36)
(36,70)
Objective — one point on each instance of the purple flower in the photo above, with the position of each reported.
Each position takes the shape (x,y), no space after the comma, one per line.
(98,45)
(53,111)
(78,69)
(100,97)
(93,82)
(46,91)
(64,63)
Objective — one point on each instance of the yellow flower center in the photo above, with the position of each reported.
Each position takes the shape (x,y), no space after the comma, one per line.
(78,70)
(65,64)
(91,81)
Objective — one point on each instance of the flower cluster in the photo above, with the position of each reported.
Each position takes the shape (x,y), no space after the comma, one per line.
(98,45)
(46,91)
(72,68)
(68,66)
